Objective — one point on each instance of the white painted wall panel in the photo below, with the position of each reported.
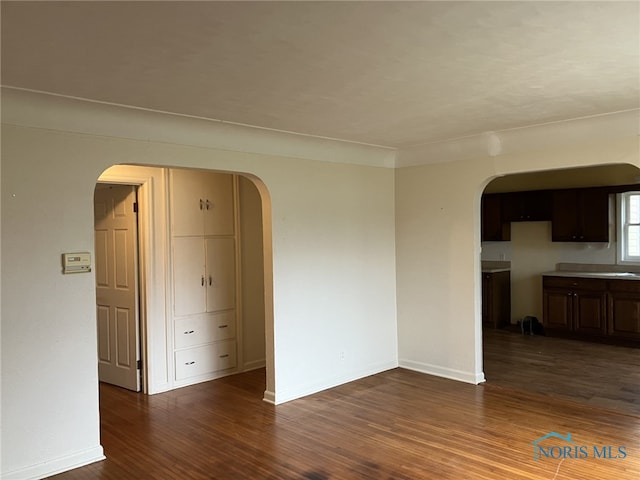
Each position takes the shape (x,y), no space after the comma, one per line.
(333,281)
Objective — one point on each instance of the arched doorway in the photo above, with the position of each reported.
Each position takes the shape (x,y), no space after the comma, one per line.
(253,273)
(525,247)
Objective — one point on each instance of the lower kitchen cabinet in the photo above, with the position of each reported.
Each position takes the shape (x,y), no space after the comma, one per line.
(496,299)
(591,308)
(624,309)
(576,305)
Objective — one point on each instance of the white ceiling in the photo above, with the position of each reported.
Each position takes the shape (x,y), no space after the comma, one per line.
(394,74)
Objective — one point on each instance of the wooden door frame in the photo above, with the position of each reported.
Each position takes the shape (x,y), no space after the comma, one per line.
(144,186)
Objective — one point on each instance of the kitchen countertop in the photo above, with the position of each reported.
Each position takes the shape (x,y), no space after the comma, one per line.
(604,275)
(495,270)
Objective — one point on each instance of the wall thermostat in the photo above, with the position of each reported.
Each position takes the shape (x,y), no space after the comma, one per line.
(76,262)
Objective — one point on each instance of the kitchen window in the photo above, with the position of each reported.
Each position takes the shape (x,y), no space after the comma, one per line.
(629,227)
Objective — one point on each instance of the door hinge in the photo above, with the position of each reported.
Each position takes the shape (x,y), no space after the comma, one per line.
(139,364)
(135,207)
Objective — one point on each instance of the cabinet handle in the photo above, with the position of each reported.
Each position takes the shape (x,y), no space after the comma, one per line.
(224,356)
(188,332)
(210,280)
(201,204)
(208,204)
(190,363)
(202,280)
(223,326)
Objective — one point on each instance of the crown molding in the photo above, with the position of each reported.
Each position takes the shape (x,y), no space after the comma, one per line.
(610,126)
(28,108)
(32,109)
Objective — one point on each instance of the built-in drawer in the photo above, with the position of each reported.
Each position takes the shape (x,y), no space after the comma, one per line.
(205,328)
(196,361)
(597,284)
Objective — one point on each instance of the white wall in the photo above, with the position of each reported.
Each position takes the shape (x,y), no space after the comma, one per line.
(252,273)
(438,250)
(333,276)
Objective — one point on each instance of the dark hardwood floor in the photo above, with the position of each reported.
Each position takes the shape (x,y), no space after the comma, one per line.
(395,425)
(596,374)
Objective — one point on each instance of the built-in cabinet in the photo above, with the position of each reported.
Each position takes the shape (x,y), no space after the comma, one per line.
(204,240)
(592,308)
(202,203)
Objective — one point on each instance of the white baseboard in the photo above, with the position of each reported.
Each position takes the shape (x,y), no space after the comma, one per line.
(444,372)
(256,364)
(286,395)
(56,465)
(269,397)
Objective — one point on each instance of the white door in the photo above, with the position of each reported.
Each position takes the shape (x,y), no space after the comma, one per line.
(116,237)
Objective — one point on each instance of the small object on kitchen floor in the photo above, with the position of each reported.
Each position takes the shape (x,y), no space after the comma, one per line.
(530,325)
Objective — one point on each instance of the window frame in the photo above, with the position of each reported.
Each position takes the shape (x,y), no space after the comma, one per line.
(622,228)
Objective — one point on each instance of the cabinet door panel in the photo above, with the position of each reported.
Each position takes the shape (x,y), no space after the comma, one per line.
(221,274)
(189,292)
(187,202)
(590,313)
(564,219)
(594,216)
(219,213)
(624,315)
(493,226)
(557,305)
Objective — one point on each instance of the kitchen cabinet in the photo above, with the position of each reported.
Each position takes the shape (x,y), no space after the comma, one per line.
(575,305)
(531,206)
(202,203)
(592,308)
(624,309)
(580,215)
(494,227)
(496,299)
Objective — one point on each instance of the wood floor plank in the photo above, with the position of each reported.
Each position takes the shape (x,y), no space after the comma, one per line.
(395,425)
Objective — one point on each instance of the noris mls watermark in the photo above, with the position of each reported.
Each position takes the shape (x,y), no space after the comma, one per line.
(556,446)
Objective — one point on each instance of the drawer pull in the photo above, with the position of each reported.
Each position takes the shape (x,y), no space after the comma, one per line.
(188,332)
(223,326)
(224,356)
(190,363)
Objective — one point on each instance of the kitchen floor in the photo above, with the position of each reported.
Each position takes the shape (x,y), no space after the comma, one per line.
(590,373)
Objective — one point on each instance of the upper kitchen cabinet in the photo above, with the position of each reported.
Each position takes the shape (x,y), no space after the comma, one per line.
(532,206)
(580,215)
(201,203)
(494,228)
